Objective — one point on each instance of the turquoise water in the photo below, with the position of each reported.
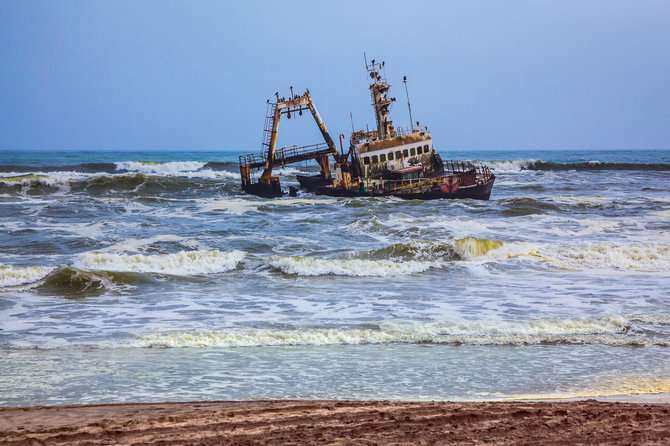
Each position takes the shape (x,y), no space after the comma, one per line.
(149,276)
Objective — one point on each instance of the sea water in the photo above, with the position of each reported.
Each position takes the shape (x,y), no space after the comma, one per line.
(149,276)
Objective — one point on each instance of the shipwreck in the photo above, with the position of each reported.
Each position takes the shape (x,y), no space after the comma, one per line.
(388,161)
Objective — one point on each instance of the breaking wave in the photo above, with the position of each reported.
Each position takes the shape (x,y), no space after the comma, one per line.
(288,171)
(170,168)
(17,182)
(609,330)
(219,165)
(470,247)
(418,256)
(511,166)
(597,165)
(187,169)
(12,276)
(23,179)
(82,168)
(184,263)
(460,249)
(531,164)
(99,271)
(50,182)
(309,266)
(632,256)
(68,281)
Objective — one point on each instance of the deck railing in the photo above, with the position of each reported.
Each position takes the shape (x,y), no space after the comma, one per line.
(456,166)
(404,131)
(285,155)
(481,171)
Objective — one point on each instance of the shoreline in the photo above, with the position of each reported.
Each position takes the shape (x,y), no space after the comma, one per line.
(341,422)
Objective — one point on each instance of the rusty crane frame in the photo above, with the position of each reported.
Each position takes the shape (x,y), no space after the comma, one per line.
(269,158)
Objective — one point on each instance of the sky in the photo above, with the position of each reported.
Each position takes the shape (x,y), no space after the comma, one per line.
(482,75)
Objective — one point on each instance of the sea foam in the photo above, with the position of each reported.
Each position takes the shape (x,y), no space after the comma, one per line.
(167,168)
(11,276)
(511,166)
(608,330)
(184,263)
(187,169)
(310,266)
(605,256)
(608,387)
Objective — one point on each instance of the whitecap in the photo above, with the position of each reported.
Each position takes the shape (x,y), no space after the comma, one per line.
(512,166)
(184,263)
(603,256)
(166,168)
(11,276)
(608,330)
(311,266)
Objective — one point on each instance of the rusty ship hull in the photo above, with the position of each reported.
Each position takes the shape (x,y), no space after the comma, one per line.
(434,191)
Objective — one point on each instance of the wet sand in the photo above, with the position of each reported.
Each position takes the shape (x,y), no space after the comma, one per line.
(339,422)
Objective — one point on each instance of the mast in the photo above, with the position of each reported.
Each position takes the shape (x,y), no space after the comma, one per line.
(380,101)
(409,107)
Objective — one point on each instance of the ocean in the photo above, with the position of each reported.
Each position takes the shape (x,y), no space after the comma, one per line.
(148,276)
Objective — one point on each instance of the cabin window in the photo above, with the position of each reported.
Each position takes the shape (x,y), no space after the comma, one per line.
(412,151)
(426,149)
(366,160)
(382,157)
(390,156)
(375,159)
(398,155)
(405,153)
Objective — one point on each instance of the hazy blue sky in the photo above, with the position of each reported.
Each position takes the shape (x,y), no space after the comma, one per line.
(196,75)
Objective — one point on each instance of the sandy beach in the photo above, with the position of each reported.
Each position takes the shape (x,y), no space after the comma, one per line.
(339,422)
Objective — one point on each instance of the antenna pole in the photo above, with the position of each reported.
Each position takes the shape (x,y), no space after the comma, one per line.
(351,116)
(366,60)
(409,107)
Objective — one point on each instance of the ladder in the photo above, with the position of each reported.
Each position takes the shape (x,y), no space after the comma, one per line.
(267,129)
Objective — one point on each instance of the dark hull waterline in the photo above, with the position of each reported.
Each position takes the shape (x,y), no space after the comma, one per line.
(480,191)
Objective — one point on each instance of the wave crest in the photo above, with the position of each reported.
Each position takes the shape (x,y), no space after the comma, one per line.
(309,266)
(68,281)
(188,169)
(470,247)
(608,330)
(12,276)
(165,168)
(460,249)
(605,256)
(513,166)
(184,263)
(633,256)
